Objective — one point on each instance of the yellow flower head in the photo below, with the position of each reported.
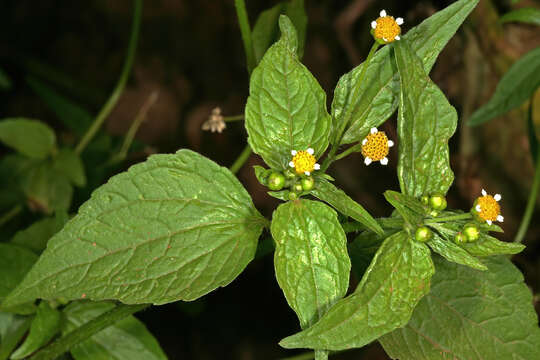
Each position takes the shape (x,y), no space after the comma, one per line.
(386,28)
(304,162)
(375,147)
(487,207)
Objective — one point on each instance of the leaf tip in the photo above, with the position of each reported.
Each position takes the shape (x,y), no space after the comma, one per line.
(288,33)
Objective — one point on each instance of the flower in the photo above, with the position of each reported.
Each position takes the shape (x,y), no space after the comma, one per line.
(386,29)
(215,122)
(486,207)
(375,147)
(304,162)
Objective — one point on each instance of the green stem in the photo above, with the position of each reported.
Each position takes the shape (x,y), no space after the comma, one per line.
(354,148)
(245,29)
(465,216)
(305,356)
(233,118)
(120,85)
(10,214)
(338,137)
(533,195)
(62,345)
(242,158)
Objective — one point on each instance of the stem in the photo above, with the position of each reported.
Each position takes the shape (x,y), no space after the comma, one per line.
(305,356)
(120,85)
(349,151)
(533,195)
(141,116)
(233,118)
(245,29)
(10,214)
(62,345)
(242,158)
(341,130)
(465,216)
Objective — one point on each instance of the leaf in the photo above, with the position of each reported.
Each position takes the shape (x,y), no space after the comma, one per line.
(364,247)
(517,85)
(13,335)
(396,280)
(378,94)
(68,163)
(426,121)
(45,325)
(311,261)
(408,207)
(71,114)
(127,339)
(262,174)
(36,236)
(15,262)
(172,228)
(454,253)
(286,108)
(29,137)
(470,315)
(326,191)
(523,15)
(266,29)
(13,169)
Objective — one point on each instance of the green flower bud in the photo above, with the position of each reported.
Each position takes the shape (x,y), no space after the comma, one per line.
(433,213)
(293,196)
(307,183)
(471,232)
(276,181)
(437,202)
(423,234)
(289,174)
(297,188)
(424,200)
(460,238)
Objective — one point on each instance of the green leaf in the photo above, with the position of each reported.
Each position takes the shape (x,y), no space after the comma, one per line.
(72,115)
(13,170)
(364,247)
(13,335)
(470,315)
(5,81)
(517,85)
(396,280)
(326,191)
(408,207)
(311,261)
(266,29)
(29,137)
(15,262)
(426,121)
(378,95)
(454,253)
(68,163)
(45,325)
(36,236)
(262,174)
(127,339)
(172,228)
(523,15)
(286,108)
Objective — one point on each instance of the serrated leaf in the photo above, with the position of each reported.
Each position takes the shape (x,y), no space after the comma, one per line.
(286,108)
(127,339)
(411,210)
(470,315)
(515,87)
(74,116)
(364,247)
(378,94)
(29,137)
(396,280)
(311,261)
(326,191)
(523,15)
(68,163)
(454,253)
(172,228)
(36,236)
(426,121)
(266,29)
(44,327)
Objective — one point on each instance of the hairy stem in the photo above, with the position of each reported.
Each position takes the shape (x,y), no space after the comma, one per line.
(233,118)
(245,29)
(242,158)
(533,195)
(84,332)
(120,85)
(465,216)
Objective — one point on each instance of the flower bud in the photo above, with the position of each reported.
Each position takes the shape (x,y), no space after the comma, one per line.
(289,174)
(293,195)
(423,234)
(297,188)
(276,181)
(437,202)
(307,183)
(424,200)
(460,238)
(471,232)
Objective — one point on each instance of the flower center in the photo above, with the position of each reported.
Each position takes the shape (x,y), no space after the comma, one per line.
(489,208)
(387,28)
(303,161)
(376,146)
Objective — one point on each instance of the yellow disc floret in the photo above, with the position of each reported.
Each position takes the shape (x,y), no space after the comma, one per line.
(386,29)
(375,147)
(487,208)
(304,162)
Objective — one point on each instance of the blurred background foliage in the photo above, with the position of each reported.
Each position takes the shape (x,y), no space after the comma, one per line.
(189,60)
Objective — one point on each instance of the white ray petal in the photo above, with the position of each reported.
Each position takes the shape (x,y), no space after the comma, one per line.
(399,21)
(478,208)
(384,161)
(373,24)
(293,152)
(364,142)
(310,151)
(382,13)
(367,161)
(500,218)
(373,130)
(317,166)
(397,37)
(390,143)
(489,222)
(291,164)
(484,193)
(307,173)
(497,197)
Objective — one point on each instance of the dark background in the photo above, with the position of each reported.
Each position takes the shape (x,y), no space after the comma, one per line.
(191,53)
